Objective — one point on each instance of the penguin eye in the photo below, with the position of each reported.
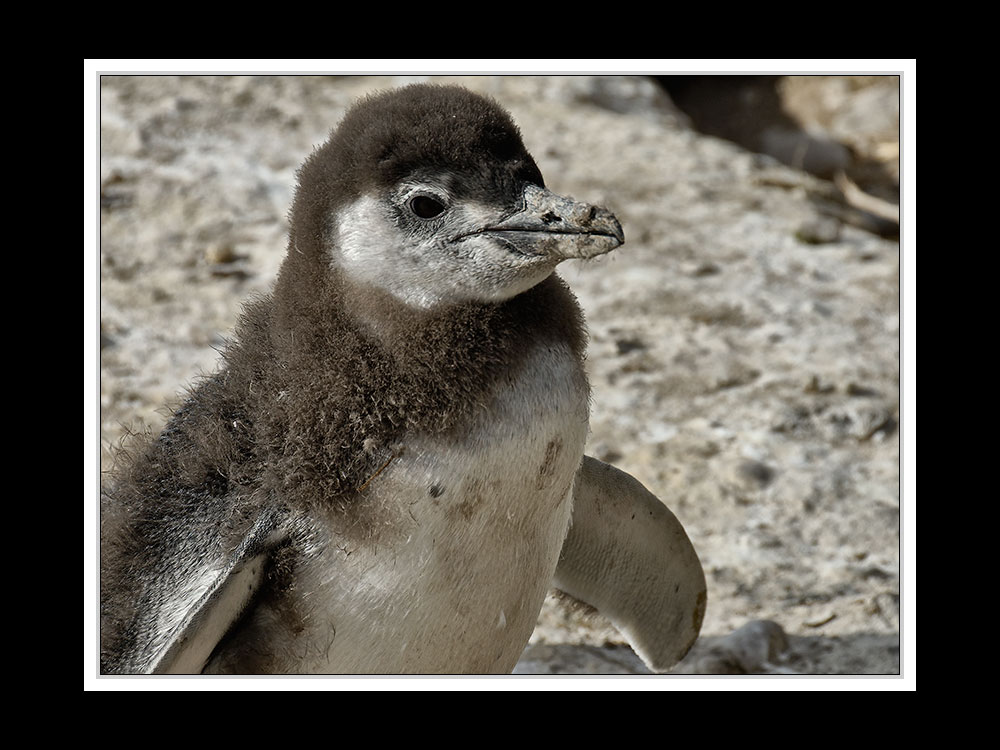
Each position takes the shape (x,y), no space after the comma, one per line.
(425,206)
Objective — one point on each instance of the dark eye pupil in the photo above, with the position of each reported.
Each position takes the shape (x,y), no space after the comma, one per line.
(425,208)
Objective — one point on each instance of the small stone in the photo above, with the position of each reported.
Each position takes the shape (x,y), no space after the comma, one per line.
(758,472)
(629,345)
(853,389)
(819,231)
(706,269)
(221,252)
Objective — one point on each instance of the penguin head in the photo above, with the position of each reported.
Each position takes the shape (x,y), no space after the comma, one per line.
(428,193)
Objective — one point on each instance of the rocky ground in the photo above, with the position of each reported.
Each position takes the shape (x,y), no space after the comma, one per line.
(745,342)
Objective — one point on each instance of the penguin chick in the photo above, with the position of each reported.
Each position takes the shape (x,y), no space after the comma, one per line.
(381,475)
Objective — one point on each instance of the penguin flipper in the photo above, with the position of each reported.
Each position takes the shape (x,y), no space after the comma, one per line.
(166,612)
(210,617)
(213,614)
(627,555)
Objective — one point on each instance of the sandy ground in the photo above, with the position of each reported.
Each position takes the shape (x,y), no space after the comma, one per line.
(745,341)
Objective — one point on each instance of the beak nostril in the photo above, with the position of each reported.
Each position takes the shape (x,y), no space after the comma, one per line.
(553,227)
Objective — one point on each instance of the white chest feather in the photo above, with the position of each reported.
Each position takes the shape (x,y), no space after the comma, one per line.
(472,534)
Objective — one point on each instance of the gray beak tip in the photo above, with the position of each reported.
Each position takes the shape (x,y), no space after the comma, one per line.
(557,228)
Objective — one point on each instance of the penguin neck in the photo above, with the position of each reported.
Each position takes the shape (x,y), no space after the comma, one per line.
(315,301)
(500,333)
(385,318)
(351,369)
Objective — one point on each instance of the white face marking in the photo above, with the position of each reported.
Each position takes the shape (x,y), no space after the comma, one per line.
(381,242)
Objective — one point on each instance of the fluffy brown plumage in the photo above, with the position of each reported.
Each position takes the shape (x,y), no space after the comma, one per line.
(324,378)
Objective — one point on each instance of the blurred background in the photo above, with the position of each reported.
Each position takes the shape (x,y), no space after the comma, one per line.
(745,340)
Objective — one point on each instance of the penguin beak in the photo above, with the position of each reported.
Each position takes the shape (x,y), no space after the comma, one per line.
(556,227)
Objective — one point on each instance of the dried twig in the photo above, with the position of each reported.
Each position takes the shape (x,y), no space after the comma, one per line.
(393,457)
(858,198)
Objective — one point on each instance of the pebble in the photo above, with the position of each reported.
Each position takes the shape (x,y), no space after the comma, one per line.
(221,252)
(821,230)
